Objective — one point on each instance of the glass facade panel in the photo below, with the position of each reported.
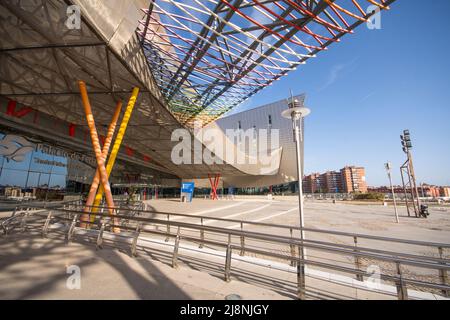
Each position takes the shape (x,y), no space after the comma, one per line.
(59,165)
(13,178)
(41,171)
(41,162)
(33,180)
(44,179)
(57,181)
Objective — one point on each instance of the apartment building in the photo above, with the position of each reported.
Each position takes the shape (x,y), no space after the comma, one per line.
(312,183)
(354,179)
(332,182)
(445,192)
(347,180)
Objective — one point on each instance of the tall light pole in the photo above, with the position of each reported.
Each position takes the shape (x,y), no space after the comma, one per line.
(410,173)
(388,167)
(296,112)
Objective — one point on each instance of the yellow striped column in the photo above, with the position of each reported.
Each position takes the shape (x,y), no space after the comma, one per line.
(116,147)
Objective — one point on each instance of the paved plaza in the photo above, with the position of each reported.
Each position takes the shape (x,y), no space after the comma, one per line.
(36,268)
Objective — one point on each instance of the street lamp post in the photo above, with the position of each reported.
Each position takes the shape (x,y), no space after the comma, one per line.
(296,113)
(388,167)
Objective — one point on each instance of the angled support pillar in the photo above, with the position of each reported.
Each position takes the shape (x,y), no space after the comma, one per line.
(96,181)
(97,148)
(214,185)
(116,147)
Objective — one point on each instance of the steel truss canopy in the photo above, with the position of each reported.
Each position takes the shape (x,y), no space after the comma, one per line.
(208,56)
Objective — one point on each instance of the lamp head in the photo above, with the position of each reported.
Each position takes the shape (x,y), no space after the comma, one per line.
(295,111)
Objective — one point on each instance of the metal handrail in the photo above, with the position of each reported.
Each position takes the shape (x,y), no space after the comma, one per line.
(440,264)
(280,226)
(305,261)
(313,244)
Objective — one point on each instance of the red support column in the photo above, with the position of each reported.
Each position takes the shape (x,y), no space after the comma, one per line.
(214,184)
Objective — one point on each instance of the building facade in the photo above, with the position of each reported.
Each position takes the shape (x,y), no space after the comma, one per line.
(445,192)
(45,158)
(349,179)
(353,179)
(267,117)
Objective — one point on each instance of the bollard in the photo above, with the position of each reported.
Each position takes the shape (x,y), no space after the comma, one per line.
(443,274)
(359,277)
(402,290)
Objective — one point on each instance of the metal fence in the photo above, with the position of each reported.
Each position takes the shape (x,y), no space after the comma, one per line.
(135,222)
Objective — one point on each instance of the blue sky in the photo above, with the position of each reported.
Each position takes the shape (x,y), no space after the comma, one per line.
(365,90)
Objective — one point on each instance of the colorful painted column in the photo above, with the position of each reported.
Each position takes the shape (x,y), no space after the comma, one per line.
(97,149)
(105,150)
(116,147)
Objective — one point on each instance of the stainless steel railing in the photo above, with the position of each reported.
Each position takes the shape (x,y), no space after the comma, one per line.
(138,225)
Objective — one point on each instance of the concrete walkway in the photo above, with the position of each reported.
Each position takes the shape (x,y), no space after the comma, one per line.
(36,268)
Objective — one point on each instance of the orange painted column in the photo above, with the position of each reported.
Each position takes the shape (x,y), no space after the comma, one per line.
(97,149)
(105,150)
(117,144)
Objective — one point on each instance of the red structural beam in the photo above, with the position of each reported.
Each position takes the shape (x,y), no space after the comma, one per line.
(214,184)
(209,56)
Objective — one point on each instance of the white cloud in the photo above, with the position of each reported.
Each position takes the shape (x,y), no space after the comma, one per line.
(333,75)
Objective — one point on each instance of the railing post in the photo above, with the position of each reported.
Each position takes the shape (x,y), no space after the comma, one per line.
(23,222)
(175,250)
(443,274)
(402,290)
(46,225)
(301,283)
(135,239)
(168,227)
(359,277)
(292,247)
(228,260)
(72,228)
(242,240)
(100,236)
(202,234)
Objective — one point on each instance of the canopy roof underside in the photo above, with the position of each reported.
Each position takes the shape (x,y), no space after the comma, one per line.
(208,56)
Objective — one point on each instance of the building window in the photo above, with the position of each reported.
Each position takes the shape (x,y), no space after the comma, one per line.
(239,125)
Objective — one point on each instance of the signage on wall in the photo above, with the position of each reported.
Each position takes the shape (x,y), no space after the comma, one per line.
(53,151)
(50,162)
(15,148)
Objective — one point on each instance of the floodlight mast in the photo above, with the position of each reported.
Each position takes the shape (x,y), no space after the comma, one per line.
(408,169)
